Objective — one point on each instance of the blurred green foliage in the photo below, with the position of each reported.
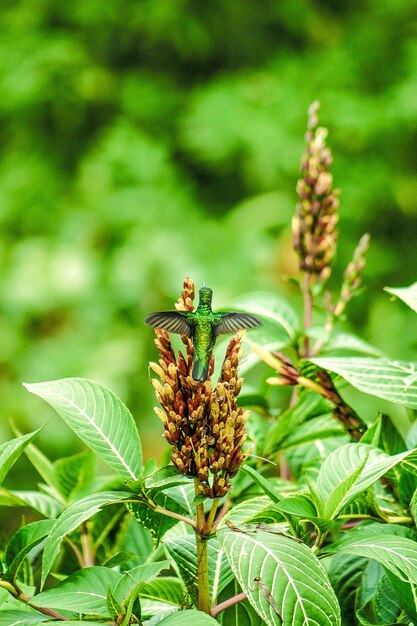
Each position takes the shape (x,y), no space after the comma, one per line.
(147,140)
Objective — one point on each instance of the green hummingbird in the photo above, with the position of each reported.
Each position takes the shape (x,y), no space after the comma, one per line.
(203,327)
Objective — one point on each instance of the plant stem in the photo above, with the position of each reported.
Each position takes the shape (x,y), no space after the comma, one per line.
(160,509)
(308,312)
(88,556)
(226,506)
(17,593)
(211,515)
(228,603)
(178,516)
(76,551)
(202,557)
(49,612)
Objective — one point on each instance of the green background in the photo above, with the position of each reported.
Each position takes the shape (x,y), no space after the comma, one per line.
(143,141)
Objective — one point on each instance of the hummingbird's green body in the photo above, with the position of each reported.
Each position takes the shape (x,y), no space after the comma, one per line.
(202,326)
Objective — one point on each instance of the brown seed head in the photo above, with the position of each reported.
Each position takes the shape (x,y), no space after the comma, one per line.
(314,225)
(201,421)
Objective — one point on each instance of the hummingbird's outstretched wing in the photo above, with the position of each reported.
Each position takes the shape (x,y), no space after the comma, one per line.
(232,322)
(171,321)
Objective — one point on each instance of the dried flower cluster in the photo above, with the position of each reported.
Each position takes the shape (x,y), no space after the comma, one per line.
(203,423)
(342,412)
(314,225)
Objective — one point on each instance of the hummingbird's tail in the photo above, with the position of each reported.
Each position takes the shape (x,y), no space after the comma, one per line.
(200,370)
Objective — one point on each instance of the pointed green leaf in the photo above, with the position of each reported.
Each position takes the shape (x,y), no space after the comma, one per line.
(113,607)
(183,551)
(42,465)
(21,543)
(157,523)
(11,450)
(271,307)
(308,405)
(301,506)
(84,591)
(316,428)
(334,489)
(42,503)
(406,593)
(14,617)
(164,477)
(161,594)
(263,483)
(138,576)
(397,554)
(73,517)
(99,418)
(395,381)
(341,341)
(188,618)
(387,607)
(345,573)
(283,580)
(406,294)
(244,511)
(350,470)
(74,472)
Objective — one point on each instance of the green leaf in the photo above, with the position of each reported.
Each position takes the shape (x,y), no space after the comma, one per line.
(21,543)
(350,470)
(278,567)
(183,495)
(263,483)
(113,607)
(84,591)
(395,381)
(341,341)
(345,574)
(397,554)
(188,618)
(384,434)
(269,515)
(309,404)
(136,539)
(161,594)
(73,517)
(406,593)
(363,620)
(387,607)
(183,551)
(11,450)
(74,472)
(11,617)
(42,465)
(156,523)
(40,502)
(271,307)
(301,506)
(140,574)
(316,428)
(99,418)
(333,488)
(246,510)
(406,294)
(165,477)
(240,614)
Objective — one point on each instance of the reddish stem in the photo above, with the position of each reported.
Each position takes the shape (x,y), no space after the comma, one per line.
(228,603)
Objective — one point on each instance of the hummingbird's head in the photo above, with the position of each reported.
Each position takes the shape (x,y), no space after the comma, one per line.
(206,295)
